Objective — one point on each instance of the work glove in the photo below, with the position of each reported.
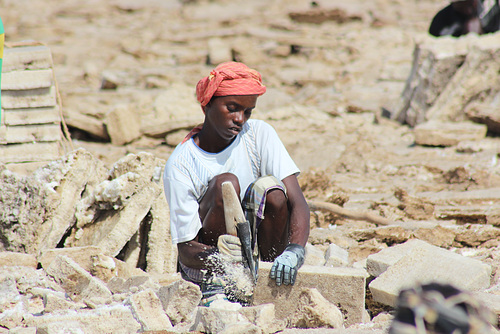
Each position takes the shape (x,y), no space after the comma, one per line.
(230,246)
(286,266)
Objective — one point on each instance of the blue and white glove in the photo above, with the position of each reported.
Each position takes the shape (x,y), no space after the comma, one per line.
(286,266)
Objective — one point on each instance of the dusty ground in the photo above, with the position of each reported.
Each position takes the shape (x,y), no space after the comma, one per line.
(327,84)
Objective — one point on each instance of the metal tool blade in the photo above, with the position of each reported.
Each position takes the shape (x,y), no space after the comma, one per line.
(236,223)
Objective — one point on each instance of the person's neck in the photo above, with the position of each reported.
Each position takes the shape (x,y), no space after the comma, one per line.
(209,143)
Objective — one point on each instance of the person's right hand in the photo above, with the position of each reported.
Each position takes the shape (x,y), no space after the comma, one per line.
(230,247)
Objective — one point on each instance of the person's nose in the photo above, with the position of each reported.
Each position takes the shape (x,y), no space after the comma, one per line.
(239,117)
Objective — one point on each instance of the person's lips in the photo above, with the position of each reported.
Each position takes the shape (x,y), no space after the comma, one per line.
(235,130)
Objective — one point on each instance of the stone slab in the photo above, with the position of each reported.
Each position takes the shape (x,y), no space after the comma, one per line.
(32,98)
(490,300)
(86,123)
(147,309)
(81,171)
(17,259)
(430,264)
(115,229)
(123,125)
(31,134)
(77,282)
(162,254)
(22,80)
(26,58)
(435,133)
(30,152)
(219,51)
(336,256)
(81,255)
(116,319)
(377,263)
(344,287)
(31,116)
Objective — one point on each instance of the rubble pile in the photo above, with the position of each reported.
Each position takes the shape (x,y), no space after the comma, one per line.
(87,248)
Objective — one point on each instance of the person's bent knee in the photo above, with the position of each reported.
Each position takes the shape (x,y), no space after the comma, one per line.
(224,177)
(276,199)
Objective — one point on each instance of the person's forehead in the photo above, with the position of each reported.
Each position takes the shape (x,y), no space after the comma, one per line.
(241,99)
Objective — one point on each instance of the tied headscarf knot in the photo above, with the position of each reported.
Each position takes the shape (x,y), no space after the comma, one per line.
(230,78)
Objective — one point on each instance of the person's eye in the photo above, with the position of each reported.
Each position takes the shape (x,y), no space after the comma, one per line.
(231,108)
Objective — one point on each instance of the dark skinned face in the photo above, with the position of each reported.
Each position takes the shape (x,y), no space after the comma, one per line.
(224,119)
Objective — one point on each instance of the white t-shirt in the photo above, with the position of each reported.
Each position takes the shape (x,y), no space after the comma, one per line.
(256,151)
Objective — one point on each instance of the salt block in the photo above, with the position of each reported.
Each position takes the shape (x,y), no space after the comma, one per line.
(436,133)
(147,309)
(377,263)
(314,255)
(336,256)
(17,259)
(108,319)
(490,300)
(344,287)
(78,283)
(123,125)
(429,264)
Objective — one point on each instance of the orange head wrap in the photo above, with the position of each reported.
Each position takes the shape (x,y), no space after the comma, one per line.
(230,78)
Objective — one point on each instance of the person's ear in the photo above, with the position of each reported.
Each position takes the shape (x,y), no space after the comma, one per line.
(206,107)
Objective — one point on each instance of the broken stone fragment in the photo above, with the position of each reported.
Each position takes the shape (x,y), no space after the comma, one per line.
(314,255)
(438,235)
(179,300)
(264,317)
(123,124)
(12,315)
(439,133)
(18,259)
(386,234)
(108,319)
(81,255)
(377,263)
(475,235)
(162,253)
(132,284)
(78,283)
(112,231)
(147,309)
(216,319)
(336,256)
(54,302)
(314,311)
(425,264)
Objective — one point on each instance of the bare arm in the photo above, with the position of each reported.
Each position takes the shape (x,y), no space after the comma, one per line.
(196,255)
(299,211)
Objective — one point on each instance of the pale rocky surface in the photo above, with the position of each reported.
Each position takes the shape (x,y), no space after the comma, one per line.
(85,239)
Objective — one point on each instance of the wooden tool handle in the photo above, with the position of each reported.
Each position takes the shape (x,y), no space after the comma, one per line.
(233,213)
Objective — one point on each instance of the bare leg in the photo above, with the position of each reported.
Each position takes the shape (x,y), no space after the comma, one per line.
(211,209)
(273,230)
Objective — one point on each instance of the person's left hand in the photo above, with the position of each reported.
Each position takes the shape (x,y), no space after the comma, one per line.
(286,266)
